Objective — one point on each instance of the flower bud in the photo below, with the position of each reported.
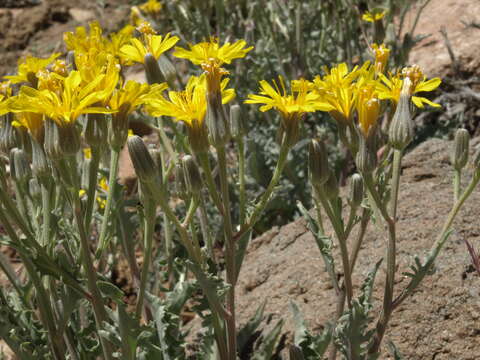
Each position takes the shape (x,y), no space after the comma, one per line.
(193,180)
(96,130)
(141,159)
(401,130)
(331,187)
(356,190)
(152,70)
(168,70)
(237,123)
(20,166)
(8,135)
(366,158)
(118,127)
(459,151)
(180,186)
(35,190)
(40,166)
(157,159)
(217,122)
(318,163)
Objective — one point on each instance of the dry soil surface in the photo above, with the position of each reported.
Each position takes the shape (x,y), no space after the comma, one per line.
(440,321)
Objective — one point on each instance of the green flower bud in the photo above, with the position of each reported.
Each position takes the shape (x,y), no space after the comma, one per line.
(217,122)
(40,166)
(152,70)
(96,130)
(401,130)
(157,159)
(193,180)
(237,124)
(459,151)
(118,127)
(35,190)
(20,166)
(366,158)
(356,190)
(8,135)
(168,70)
(180,186)
(141,159)
(318,163)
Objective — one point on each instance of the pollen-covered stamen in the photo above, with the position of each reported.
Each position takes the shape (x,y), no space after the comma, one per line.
(382,54)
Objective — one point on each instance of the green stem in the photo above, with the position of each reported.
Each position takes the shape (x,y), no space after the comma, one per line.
(457,180)
(92,187)
(212,188)
(230,254)
(204,228)
(149,228)
(103,239)
(241,180)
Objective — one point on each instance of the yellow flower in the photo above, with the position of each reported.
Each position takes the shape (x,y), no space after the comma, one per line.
(30,121)
(300,100)
(211,56)
(390,88)
(382,54)
(133,95)
(376,14)
(65,105)
(151,7)
(87,153)
(189,105)
(368,108)
(81,41)
(28,68)
(103,184)
(153,44)
(339,89)
(5,93)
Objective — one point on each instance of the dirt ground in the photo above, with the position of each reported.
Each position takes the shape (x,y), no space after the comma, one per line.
(440,321)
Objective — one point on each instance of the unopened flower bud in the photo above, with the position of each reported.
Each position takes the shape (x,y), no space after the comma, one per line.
(237,124)
(168,70)
(141,159)
(401,130)
(40,166)
(217,122)
(180,186)
(20,166)
(459,151)
(96,130)
(193,180)
(157,159)
(318,163)
(356,190)
(152,70)
(331,187)
(34,189)
(366,158)
(118,127)
(8,135)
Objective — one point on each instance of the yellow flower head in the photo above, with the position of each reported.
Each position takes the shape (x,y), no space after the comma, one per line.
(64,105)
(87,153)
(50,81)
(382,53)
(368,108)
(133,95)
(189,105)
(151,7)
(339,89)
(376,14)
(118,40)
(60,67)
(81,41)
(211,56)
(299,101)
(390,88)
(153,44)
(29,67)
